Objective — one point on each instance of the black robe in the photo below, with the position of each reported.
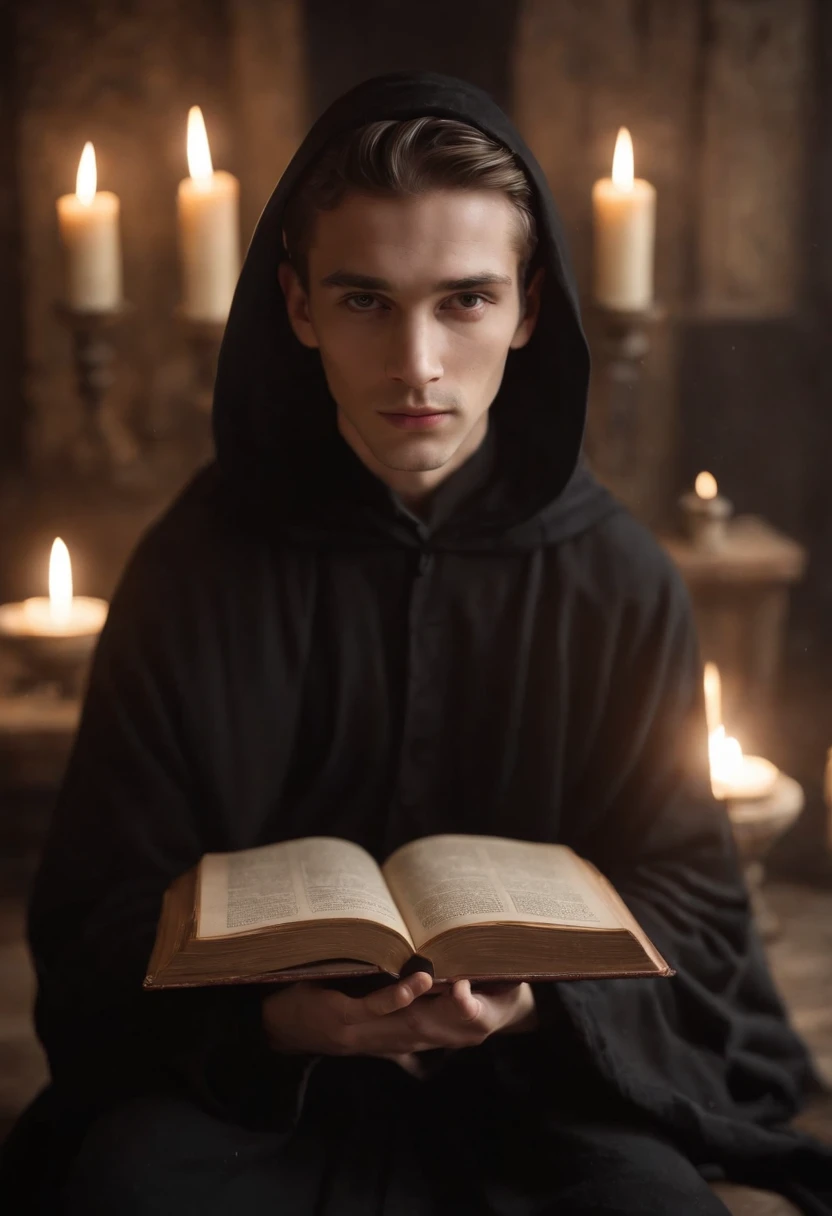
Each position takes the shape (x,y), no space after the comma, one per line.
(288,653)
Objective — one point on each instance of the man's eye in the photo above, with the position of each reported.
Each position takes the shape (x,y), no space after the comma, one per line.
(362,302)
(471,296)
(358,299)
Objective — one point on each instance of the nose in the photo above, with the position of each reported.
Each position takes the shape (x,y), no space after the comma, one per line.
(414,357)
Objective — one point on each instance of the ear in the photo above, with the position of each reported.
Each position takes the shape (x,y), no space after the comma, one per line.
(529,319)
(297,305)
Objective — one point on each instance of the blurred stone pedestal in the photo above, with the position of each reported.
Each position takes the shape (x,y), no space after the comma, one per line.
(740,599)
(757,825)
(36,734)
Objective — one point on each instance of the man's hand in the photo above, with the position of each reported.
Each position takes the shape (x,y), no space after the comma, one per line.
(396,1021)
(523,1021)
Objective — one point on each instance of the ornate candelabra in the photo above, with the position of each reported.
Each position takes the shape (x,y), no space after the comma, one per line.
(94,354)
(95,350)
(204,339)
(620,342)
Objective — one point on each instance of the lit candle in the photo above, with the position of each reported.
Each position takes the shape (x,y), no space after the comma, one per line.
(88,221)
(624,213)
(61,614)
(209,230)
(713,697)
(734,776)
(706,513)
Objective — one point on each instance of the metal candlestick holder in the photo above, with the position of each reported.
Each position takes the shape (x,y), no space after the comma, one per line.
(204,339)
(94,353)
(620,342)
(706,520)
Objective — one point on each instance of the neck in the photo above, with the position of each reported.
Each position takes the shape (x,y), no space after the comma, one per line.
(414,488)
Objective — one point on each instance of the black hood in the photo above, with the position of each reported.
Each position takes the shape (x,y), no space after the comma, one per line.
(275,427)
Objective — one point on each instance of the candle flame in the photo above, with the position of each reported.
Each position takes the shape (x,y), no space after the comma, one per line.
(726,758)
(724,752)
(199,154)
(60,582)
(733,774)
(706,486)
(713,697)
(622,161)
(86,181)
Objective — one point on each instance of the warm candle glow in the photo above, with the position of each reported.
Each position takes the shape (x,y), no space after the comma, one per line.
(733,774)
(624,232)
(209,230)
(200,166)
(725,755)
(59,615)
(86,181)
(706,486)
(88,221)
(60,582)
(713,697)
(622,162)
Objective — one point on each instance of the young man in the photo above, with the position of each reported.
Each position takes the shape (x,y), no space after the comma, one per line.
(399,605)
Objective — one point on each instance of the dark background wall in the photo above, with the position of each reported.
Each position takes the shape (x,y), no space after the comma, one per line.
(730,106)
(11,329)
(344,47)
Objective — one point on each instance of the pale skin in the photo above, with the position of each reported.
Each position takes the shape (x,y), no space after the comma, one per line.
(413,304)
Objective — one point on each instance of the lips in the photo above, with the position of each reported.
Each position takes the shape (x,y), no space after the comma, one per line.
(409,420)
(416,411)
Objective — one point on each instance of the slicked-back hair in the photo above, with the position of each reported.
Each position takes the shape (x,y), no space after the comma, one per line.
(399,158)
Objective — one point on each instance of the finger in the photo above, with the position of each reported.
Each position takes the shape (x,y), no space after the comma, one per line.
(392,998)
(443,1022)
(466,1003)
(439,1022)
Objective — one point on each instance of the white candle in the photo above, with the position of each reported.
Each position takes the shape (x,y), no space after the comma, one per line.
(707,513)
(209,230)
(734,776)
(713,697)
(89,225)
(624,215)
(62,614)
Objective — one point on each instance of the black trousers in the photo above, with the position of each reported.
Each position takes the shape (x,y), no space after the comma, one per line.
(373,1141)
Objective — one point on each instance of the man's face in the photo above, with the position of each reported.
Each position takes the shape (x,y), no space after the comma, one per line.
(414,305)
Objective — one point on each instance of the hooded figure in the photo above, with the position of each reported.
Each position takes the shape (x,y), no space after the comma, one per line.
(301,647)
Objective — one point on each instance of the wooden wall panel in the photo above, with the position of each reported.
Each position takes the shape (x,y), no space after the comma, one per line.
(123,77)
(752,187)
(11,316)
(582,69)
(270,88)
(349,42)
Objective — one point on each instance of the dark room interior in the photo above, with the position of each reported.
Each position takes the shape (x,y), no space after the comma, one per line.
(724,368)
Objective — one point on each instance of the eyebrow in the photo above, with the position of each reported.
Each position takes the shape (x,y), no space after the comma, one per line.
(366,282)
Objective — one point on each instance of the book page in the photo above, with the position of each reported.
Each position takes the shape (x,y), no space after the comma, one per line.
(311,878)
(442,882)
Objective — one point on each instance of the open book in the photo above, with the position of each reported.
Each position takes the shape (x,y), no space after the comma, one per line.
(460,907)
